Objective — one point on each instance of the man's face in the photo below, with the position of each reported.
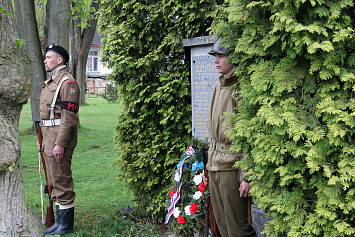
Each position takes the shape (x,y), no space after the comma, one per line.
(222,65)
(52,61)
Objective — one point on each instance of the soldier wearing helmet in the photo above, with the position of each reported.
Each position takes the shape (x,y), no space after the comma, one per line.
(229,190)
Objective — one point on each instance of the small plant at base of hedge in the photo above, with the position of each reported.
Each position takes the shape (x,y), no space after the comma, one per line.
(130,221)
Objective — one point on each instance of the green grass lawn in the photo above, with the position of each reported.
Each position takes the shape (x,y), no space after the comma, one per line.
(100,195)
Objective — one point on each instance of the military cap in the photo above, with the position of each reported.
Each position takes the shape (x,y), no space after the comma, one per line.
(217,48)
(59,50)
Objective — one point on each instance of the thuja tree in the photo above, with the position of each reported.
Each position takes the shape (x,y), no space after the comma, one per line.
(143,45)
(295,60)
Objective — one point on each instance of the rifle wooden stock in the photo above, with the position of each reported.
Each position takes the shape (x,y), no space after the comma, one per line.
(50,213)
(207,203)
(249,211)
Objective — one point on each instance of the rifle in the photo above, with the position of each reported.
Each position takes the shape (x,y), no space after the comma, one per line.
(249,211)
(50,213)
(208,205)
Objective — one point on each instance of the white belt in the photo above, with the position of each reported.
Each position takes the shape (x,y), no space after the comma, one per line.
(51,123)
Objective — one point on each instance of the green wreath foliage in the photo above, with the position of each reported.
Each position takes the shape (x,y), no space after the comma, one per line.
(296,116)
(143,45)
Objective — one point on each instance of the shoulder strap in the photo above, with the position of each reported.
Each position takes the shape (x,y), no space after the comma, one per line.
(51,116)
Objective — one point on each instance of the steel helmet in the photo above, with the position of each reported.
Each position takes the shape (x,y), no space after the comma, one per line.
(217,48)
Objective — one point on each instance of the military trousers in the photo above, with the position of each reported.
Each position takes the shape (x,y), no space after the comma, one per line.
(230,210)
(60,177)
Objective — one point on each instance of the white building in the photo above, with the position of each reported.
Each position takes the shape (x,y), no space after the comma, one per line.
(95,67)
(96,70)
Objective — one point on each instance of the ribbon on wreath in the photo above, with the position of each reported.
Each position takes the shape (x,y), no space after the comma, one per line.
(176,196)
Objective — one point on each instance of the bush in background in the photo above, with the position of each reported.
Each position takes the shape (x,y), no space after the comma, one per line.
(111,93)
(143,46)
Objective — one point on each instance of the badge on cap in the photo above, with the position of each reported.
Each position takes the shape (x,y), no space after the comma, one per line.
(72,90)
(50,46)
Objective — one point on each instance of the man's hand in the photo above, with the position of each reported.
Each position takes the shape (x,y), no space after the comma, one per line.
(204,178)
(58,152)
(244,189)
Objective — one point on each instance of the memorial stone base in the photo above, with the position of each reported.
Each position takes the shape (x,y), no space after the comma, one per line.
(259,219)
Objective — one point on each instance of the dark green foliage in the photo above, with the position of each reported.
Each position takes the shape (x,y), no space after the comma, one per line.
(144,48)
(296,121)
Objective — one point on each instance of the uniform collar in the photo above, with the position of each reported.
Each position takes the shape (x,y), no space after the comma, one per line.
(227,82)
(56,74)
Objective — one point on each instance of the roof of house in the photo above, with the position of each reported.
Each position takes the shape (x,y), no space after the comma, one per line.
(97,39)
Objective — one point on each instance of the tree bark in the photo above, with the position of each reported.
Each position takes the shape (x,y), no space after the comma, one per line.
(80,46)
(15,81)
(58,22)
(26,22)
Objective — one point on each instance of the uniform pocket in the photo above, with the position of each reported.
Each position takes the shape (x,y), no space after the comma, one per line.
(49,136)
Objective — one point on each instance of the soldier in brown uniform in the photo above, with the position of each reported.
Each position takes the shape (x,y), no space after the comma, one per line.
(229,190)
(59,105)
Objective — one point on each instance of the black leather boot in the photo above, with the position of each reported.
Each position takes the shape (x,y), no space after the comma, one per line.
(66,223)
(56,224)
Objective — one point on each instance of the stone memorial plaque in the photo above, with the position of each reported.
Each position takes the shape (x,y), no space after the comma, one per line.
(204,77)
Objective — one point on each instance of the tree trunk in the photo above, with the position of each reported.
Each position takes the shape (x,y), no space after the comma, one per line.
(27,24)
(57,23)
(15,81)
(80,46)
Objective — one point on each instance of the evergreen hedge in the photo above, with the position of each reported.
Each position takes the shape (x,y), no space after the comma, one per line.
(143,45)
(296,121)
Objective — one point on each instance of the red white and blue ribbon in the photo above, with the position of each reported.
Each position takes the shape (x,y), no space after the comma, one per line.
(175,198)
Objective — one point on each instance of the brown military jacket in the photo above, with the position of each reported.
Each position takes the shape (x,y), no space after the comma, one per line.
(66,108)
(222,102)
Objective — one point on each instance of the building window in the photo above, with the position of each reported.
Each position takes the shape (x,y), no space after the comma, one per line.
(93,61)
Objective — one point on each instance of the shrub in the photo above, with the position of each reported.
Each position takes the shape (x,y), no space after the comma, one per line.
(296,117)
(143,46)
(111,93)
